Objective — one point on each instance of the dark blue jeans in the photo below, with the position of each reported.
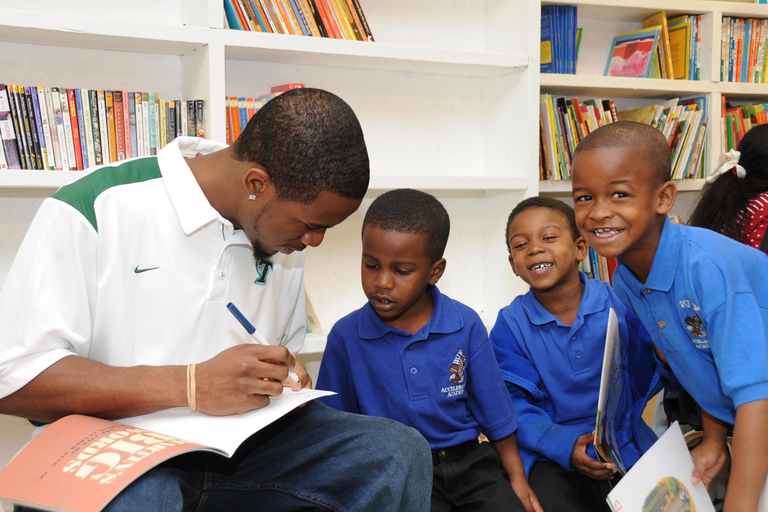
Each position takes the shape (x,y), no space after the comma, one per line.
(314,458)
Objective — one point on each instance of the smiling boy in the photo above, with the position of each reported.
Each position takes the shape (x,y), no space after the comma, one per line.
(414,355)
(549,344)
(701,295)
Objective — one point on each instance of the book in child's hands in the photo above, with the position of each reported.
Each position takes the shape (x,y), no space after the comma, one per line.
(79,463)
(661,480)
(609,397)
(633,54)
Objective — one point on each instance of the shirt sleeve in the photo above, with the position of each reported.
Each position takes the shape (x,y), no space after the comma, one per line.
(46,302)
(536,431)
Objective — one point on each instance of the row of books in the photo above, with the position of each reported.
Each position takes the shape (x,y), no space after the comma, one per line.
(742,50)
(337,19)
(738,120)
(565,121)
(559,39)
(663,48)
(240,109)
(53,128)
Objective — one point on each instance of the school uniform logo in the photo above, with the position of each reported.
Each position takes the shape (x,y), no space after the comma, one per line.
(263,266)
(456,376)
(694,324)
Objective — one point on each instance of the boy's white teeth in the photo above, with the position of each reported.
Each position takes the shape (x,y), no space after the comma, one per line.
(606,232)
(540,266)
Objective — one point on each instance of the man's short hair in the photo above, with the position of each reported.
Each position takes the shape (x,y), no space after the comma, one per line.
(549,203)
(411,211)
(308,140)
(629,134)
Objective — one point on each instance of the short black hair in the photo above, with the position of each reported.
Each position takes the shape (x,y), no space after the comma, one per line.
(629,134)
(411,211)
(550,203)
(308,140)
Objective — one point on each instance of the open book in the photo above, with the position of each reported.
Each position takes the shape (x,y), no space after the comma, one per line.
(609,398)
(79,463)
(661,480)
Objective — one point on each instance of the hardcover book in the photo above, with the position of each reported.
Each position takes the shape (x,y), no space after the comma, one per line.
(80,463)
(7,131)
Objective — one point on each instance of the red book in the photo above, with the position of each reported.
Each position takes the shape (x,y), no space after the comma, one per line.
(75,129)
(234,115)
(324,8)
(241,15)
(286,87)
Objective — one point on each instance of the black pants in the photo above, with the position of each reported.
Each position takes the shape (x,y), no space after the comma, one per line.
(559,490)
(470,477)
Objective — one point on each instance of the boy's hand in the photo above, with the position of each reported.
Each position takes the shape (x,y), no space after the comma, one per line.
(302,374)
(525,494)
(708,460)
(585,464)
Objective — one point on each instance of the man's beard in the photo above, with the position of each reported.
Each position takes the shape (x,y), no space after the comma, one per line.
(258,251)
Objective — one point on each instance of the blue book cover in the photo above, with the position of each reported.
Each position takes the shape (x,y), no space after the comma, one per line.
(232,20)
(262,23)
(300,18)
(745,51)
(81,122)
(547,53)
(243,110)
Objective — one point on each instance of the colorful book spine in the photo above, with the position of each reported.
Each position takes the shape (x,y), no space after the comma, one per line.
(28,109)
(162,108)
(18,124)
(192,118)
(50,154)
(72,108)
(53,129)
(153,125)
(363,21)
(101,98)
(200,118)
(117,100)
(7,131)
(126,124)
(98,153)
(139,125)
(38,120)
(132,134)
(318,19)
(87,126)
(184,128)
(109,101)
(62,117)
(145,114)
(81,128)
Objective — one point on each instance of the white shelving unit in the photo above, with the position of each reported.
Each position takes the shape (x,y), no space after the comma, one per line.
(447,102)
(604,19)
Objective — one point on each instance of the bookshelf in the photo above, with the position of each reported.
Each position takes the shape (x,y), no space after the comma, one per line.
(447,97)
(603,19)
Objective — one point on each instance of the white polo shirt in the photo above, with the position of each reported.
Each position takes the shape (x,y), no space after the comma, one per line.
(131,265)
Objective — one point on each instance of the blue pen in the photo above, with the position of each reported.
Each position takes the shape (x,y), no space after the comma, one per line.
(252,331)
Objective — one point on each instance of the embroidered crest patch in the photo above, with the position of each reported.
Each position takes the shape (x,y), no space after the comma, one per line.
(694,324)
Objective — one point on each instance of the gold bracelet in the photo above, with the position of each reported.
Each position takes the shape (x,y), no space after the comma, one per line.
(191,388)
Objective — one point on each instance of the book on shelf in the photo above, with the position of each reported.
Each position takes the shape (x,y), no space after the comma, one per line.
(8,132)
(338,19)
(739,119)
(743,50)
(80,463)
(72,106)
(661,480)
(88,126)
(635,54)
(665,53)
(33,125)
(559,39)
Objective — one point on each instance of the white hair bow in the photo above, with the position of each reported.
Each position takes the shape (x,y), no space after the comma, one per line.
(727,162)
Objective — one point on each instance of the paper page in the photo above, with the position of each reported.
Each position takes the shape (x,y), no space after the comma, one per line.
(222,432)
(609,398)
(661,480)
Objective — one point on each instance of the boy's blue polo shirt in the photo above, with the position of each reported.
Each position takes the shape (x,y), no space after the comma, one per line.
(705,303)
(553,373)
(444,380)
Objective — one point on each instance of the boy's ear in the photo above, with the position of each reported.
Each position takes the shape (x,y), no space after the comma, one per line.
(256,180)
(582,249)
(436,273)
(512,264)
(666,198)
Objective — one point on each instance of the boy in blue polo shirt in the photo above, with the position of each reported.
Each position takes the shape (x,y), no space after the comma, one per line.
(549,344)
(414,355)
(702,296)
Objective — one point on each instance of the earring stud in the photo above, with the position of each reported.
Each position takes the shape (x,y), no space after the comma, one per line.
(252,197)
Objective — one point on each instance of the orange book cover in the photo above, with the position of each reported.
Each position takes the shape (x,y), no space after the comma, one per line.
(127,125)
(79,463)
(234,114)
(309,18)
(241,15)
(327,17)
(355,20)
(263,15)
(75,128)
(290,18)
(277,17)
(119,124)
(110,102)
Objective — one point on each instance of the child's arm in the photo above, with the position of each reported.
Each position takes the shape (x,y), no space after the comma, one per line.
(709,455)
(750,457)
(513,465)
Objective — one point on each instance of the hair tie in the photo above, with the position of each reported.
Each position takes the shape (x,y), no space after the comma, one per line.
(728,162)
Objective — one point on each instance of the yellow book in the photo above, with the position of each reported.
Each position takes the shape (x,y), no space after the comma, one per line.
(660,19)
(679,44)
